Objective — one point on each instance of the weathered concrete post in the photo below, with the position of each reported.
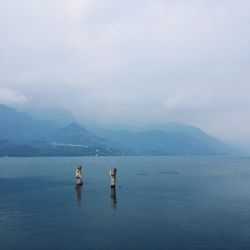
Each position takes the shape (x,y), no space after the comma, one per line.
(78,175)
(112,174)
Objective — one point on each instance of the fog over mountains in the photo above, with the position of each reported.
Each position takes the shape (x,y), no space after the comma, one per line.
(22,135)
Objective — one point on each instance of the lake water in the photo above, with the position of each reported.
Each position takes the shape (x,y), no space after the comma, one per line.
(159,203)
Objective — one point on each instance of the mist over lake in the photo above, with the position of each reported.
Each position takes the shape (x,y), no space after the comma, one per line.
(157,89)
(159,203)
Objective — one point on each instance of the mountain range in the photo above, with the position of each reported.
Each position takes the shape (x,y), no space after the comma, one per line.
(22,135)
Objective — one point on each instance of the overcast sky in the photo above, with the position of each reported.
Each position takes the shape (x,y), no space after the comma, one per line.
(131,62)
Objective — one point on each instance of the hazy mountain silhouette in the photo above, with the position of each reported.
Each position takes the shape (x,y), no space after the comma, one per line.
(172,139)
(17,125)
(61,117)
(21,135)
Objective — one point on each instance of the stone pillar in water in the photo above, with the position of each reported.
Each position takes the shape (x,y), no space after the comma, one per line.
(79,176)
(112,174)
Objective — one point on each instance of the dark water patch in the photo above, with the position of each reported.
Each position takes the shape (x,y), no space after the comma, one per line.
(141,174)
(21,184)
(169,172)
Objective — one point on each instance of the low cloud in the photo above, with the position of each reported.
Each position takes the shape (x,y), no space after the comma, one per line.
(131,62)
(12,98)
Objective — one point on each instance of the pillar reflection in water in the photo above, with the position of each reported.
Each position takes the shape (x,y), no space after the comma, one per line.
(113,196)
(78,193)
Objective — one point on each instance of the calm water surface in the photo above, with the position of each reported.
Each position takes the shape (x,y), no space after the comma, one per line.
(159,203)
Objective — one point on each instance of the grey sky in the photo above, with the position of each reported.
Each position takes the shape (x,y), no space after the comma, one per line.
(133,62)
